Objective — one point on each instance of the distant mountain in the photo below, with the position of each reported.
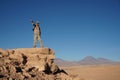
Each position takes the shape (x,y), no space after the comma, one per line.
(89,60)
(103,60)
(61,62)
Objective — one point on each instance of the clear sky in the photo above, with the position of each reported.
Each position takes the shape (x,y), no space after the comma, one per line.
(73,28)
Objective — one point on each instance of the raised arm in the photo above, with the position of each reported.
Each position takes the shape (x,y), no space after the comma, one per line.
(33,23)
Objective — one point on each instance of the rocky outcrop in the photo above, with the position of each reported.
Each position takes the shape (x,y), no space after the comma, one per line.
(30,64)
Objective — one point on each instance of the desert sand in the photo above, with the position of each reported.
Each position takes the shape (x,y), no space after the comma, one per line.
(95,72)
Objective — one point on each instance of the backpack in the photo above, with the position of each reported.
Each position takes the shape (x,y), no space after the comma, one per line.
(34,28)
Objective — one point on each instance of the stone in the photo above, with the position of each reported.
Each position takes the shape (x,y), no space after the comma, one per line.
(29,64)
(54,68)
(3,52)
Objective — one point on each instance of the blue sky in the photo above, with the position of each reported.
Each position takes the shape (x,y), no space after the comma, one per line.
(73,28)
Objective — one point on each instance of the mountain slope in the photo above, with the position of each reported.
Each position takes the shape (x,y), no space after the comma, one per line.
(89,60)
(61,62)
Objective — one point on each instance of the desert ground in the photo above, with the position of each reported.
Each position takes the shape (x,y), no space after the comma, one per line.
(95,72)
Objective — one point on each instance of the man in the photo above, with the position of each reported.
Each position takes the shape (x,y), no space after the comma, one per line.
(37,34)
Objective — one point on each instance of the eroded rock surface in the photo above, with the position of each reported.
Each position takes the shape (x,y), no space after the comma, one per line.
(30,64)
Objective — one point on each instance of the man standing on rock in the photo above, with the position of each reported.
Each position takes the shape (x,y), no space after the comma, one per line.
(37,34)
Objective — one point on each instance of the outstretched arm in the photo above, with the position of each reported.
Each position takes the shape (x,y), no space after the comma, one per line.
(33,23)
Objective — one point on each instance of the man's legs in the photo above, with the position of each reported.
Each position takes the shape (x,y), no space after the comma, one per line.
(35,39)
(40,40)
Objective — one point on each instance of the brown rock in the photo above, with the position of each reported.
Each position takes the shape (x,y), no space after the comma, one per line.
(10,51)
(54,68)
(3,52)
(29,64)
(3,71)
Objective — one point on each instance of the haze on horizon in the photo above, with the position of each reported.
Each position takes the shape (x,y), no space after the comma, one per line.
(73,28)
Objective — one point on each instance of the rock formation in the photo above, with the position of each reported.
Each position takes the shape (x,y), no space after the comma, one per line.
(30,64)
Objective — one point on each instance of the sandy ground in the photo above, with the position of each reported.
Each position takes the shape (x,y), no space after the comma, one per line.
(96,72)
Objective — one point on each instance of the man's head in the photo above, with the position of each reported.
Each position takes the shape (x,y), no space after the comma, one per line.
(37,23)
